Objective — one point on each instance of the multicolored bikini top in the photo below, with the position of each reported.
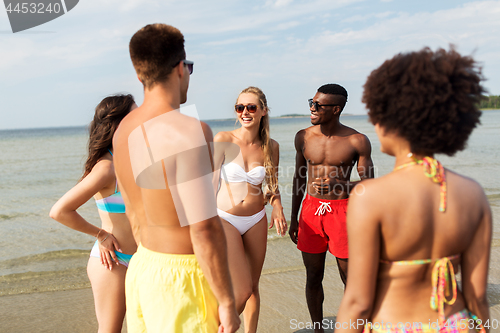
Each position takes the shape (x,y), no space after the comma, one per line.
(114,203)
(435,171)
(443,275)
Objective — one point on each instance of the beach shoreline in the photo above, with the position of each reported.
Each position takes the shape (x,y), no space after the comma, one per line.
(43,281)
(70,307)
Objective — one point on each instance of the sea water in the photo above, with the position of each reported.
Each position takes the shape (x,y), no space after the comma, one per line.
(37,166)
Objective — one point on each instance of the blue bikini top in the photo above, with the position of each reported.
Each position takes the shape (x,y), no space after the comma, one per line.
(114,203)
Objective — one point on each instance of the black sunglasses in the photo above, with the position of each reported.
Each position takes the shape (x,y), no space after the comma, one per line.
(252,108)
(189,65)
(317,105)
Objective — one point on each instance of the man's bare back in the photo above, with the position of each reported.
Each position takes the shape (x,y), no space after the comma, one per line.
(152,212)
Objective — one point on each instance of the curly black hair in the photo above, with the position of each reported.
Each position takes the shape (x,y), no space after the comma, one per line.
(335,89)
(429,98)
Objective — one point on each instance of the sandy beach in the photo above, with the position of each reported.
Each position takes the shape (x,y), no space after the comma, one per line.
(37,304)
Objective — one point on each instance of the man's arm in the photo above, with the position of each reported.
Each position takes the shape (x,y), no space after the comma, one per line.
(299,184)
(365,163)
(209,245)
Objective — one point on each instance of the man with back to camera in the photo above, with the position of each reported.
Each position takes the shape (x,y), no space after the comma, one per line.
(325,156)
(178,280)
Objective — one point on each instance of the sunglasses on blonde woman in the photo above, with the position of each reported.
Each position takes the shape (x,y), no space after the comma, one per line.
(252,108)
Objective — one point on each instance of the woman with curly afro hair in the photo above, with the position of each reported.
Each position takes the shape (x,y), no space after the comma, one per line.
(411,230)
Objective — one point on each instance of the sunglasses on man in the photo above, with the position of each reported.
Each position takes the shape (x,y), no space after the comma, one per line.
(187,63)
(317,105)
(252,108)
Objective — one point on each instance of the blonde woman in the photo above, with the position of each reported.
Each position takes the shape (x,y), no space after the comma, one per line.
(247,157)
(115,243)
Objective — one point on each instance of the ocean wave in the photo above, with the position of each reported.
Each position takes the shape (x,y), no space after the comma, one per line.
(493,197)
(33,282)
(15,215)
(53,260)
(12,216)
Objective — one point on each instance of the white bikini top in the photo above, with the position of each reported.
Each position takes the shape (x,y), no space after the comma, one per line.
(234,173)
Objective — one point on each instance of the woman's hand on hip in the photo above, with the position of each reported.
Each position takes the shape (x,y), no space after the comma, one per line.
(107,246)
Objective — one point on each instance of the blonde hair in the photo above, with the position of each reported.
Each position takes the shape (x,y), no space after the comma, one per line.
(271,188)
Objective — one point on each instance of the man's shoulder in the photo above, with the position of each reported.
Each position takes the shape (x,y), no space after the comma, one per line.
(310,129)
(353,135)
(299,136)
(161,129)
(347,131)
(123,131)
(360,142)
(307,131)
(308,134)
(358,139)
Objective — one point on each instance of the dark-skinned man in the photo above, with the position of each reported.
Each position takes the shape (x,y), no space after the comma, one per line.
(326,153)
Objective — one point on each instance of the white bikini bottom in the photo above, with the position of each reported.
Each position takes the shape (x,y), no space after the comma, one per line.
(242,223)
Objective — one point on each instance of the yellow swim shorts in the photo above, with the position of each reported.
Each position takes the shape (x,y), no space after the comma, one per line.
(168,293)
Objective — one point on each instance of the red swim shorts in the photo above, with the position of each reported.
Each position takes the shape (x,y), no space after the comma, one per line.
(322,226)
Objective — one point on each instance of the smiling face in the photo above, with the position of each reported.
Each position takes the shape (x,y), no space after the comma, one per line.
(323,114)
(246,118)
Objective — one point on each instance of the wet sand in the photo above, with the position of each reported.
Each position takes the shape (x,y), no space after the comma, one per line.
(61,300)
(282,289)
(41,306)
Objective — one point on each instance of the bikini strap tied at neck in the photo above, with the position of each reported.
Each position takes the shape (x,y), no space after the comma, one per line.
(434,170)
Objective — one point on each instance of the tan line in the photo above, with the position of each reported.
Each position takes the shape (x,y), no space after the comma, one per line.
(164,173)
(147,144)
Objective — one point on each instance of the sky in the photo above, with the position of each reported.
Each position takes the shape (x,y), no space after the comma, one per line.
(55,74)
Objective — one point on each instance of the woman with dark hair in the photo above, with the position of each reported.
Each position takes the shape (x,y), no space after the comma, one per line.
(240,199)
(411,230)
(115,243)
